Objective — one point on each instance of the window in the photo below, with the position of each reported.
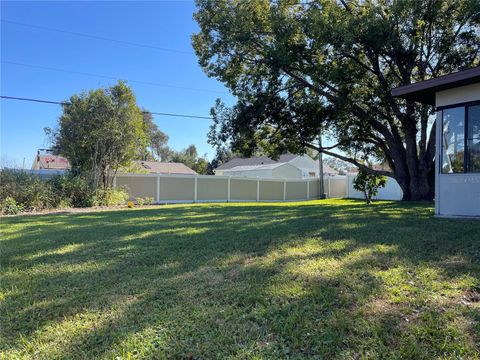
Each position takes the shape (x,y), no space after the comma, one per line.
(473,139)
(460,139)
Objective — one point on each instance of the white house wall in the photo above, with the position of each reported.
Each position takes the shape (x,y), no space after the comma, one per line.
(458,95)
(286,171)
(306,164)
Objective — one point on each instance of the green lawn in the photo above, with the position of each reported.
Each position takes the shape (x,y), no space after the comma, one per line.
(320,279)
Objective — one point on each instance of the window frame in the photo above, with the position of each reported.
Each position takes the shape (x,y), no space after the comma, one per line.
(465,106)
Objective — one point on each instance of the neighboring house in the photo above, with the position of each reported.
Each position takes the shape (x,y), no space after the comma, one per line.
(457,174)
(156,167)
(288,166)
(46,160)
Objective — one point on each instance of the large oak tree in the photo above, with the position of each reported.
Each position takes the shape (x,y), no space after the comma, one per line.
(301,67)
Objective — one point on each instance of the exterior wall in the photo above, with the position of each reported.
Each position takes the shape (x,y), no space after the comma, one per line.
(458,95)
(306,164)
(455,194)
(286,171)
(391,191)
(264,174)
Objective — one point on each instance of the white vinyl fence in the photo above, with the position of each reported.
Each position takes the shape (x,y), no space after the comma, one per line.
(391,191)
(209,188)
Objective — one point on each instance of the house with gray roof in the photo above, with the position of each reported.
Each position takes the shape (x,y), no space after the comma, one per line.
(288,166)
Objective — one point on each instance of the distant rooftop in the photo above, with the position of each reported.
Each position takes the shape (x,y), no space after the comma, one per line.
(156,167)
(256,160)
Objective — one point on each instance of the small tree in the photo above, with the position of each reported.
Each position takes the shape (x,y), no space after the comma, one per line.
(369,184)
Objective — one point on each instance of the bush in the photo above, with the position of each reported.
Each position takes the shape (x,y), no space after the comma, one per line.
(149,201)
(27,190)
(140,201)
(73,191)
(112,196)
(368,184)
(10,206)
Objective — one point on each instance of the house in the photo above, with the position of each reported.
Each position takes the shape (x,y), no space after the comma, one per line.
(47,160)
(457,174)
(156,167)
(288,166)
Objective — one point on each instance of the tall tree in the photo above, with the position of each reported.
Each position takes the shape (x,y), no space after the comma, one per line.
(157,140)
(100,131)
(300,68)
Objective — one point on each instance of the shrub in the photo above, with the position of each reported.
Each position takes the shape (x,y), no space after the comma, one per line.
(10,206)
(149,200)
(140,201)
(27,190)
(368,184)
(73,191)
(112,196)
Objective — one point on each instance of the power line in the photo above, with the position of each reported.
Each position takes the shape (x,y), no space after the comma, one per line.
(68,103)
(98,37)
(110,77)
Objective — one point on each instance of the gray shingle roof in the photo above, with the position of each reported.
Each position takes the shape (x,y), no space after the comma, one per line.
(257,160)
(156,167)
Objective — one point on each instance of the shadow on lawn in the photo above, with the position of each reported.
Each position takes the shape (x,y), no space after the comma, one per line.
(218,280)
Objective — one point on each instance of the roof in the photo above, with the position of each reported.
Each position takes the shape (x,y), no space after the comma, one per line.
(156,167)
(424,91)
(256,160)
(328,169)
(50,162)
(256,167)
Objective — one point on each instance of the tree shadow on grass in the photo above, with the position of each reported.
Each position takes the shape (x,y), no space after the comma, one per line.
(222,280)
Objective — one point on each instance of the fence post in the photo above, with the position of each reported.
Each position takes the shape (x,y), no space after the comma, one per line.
(308,190)
(284,189)
(158,188)
(195,189)
(228,189)
(258,189)
(329,193)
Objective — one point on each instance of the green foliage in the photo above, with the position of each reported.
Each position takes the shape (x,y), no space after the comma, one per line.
(298,68)
(29,191)
(9,206)
(112,196)
(25,192)
(101,131)
(330,279)
(149,200)
(140,201)
(369,184)
(191,158)
(75,191)
(157,140)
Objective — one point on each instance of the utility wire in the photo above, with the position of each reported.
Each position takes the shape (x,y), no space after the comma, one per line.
(110,77)
(68,103)
(98,37)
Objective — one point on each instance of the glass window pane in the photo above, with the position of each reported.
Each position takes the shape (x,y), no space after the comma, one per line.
(453,140)
(473,139)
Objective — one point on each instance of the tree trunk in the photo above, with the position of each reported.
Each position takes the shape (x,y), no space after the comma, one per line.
(420,186)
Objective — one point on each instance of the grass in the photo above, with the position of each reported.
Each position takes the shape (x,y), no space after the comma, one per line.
(321,279)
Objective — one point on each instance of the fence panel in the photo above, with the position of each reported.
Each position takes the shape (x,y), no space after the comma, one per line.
(211,189)
(205,188)
(391,191)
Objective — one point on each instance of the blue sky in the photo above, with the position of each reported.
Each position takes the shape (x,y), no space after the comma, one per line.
(158,24)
